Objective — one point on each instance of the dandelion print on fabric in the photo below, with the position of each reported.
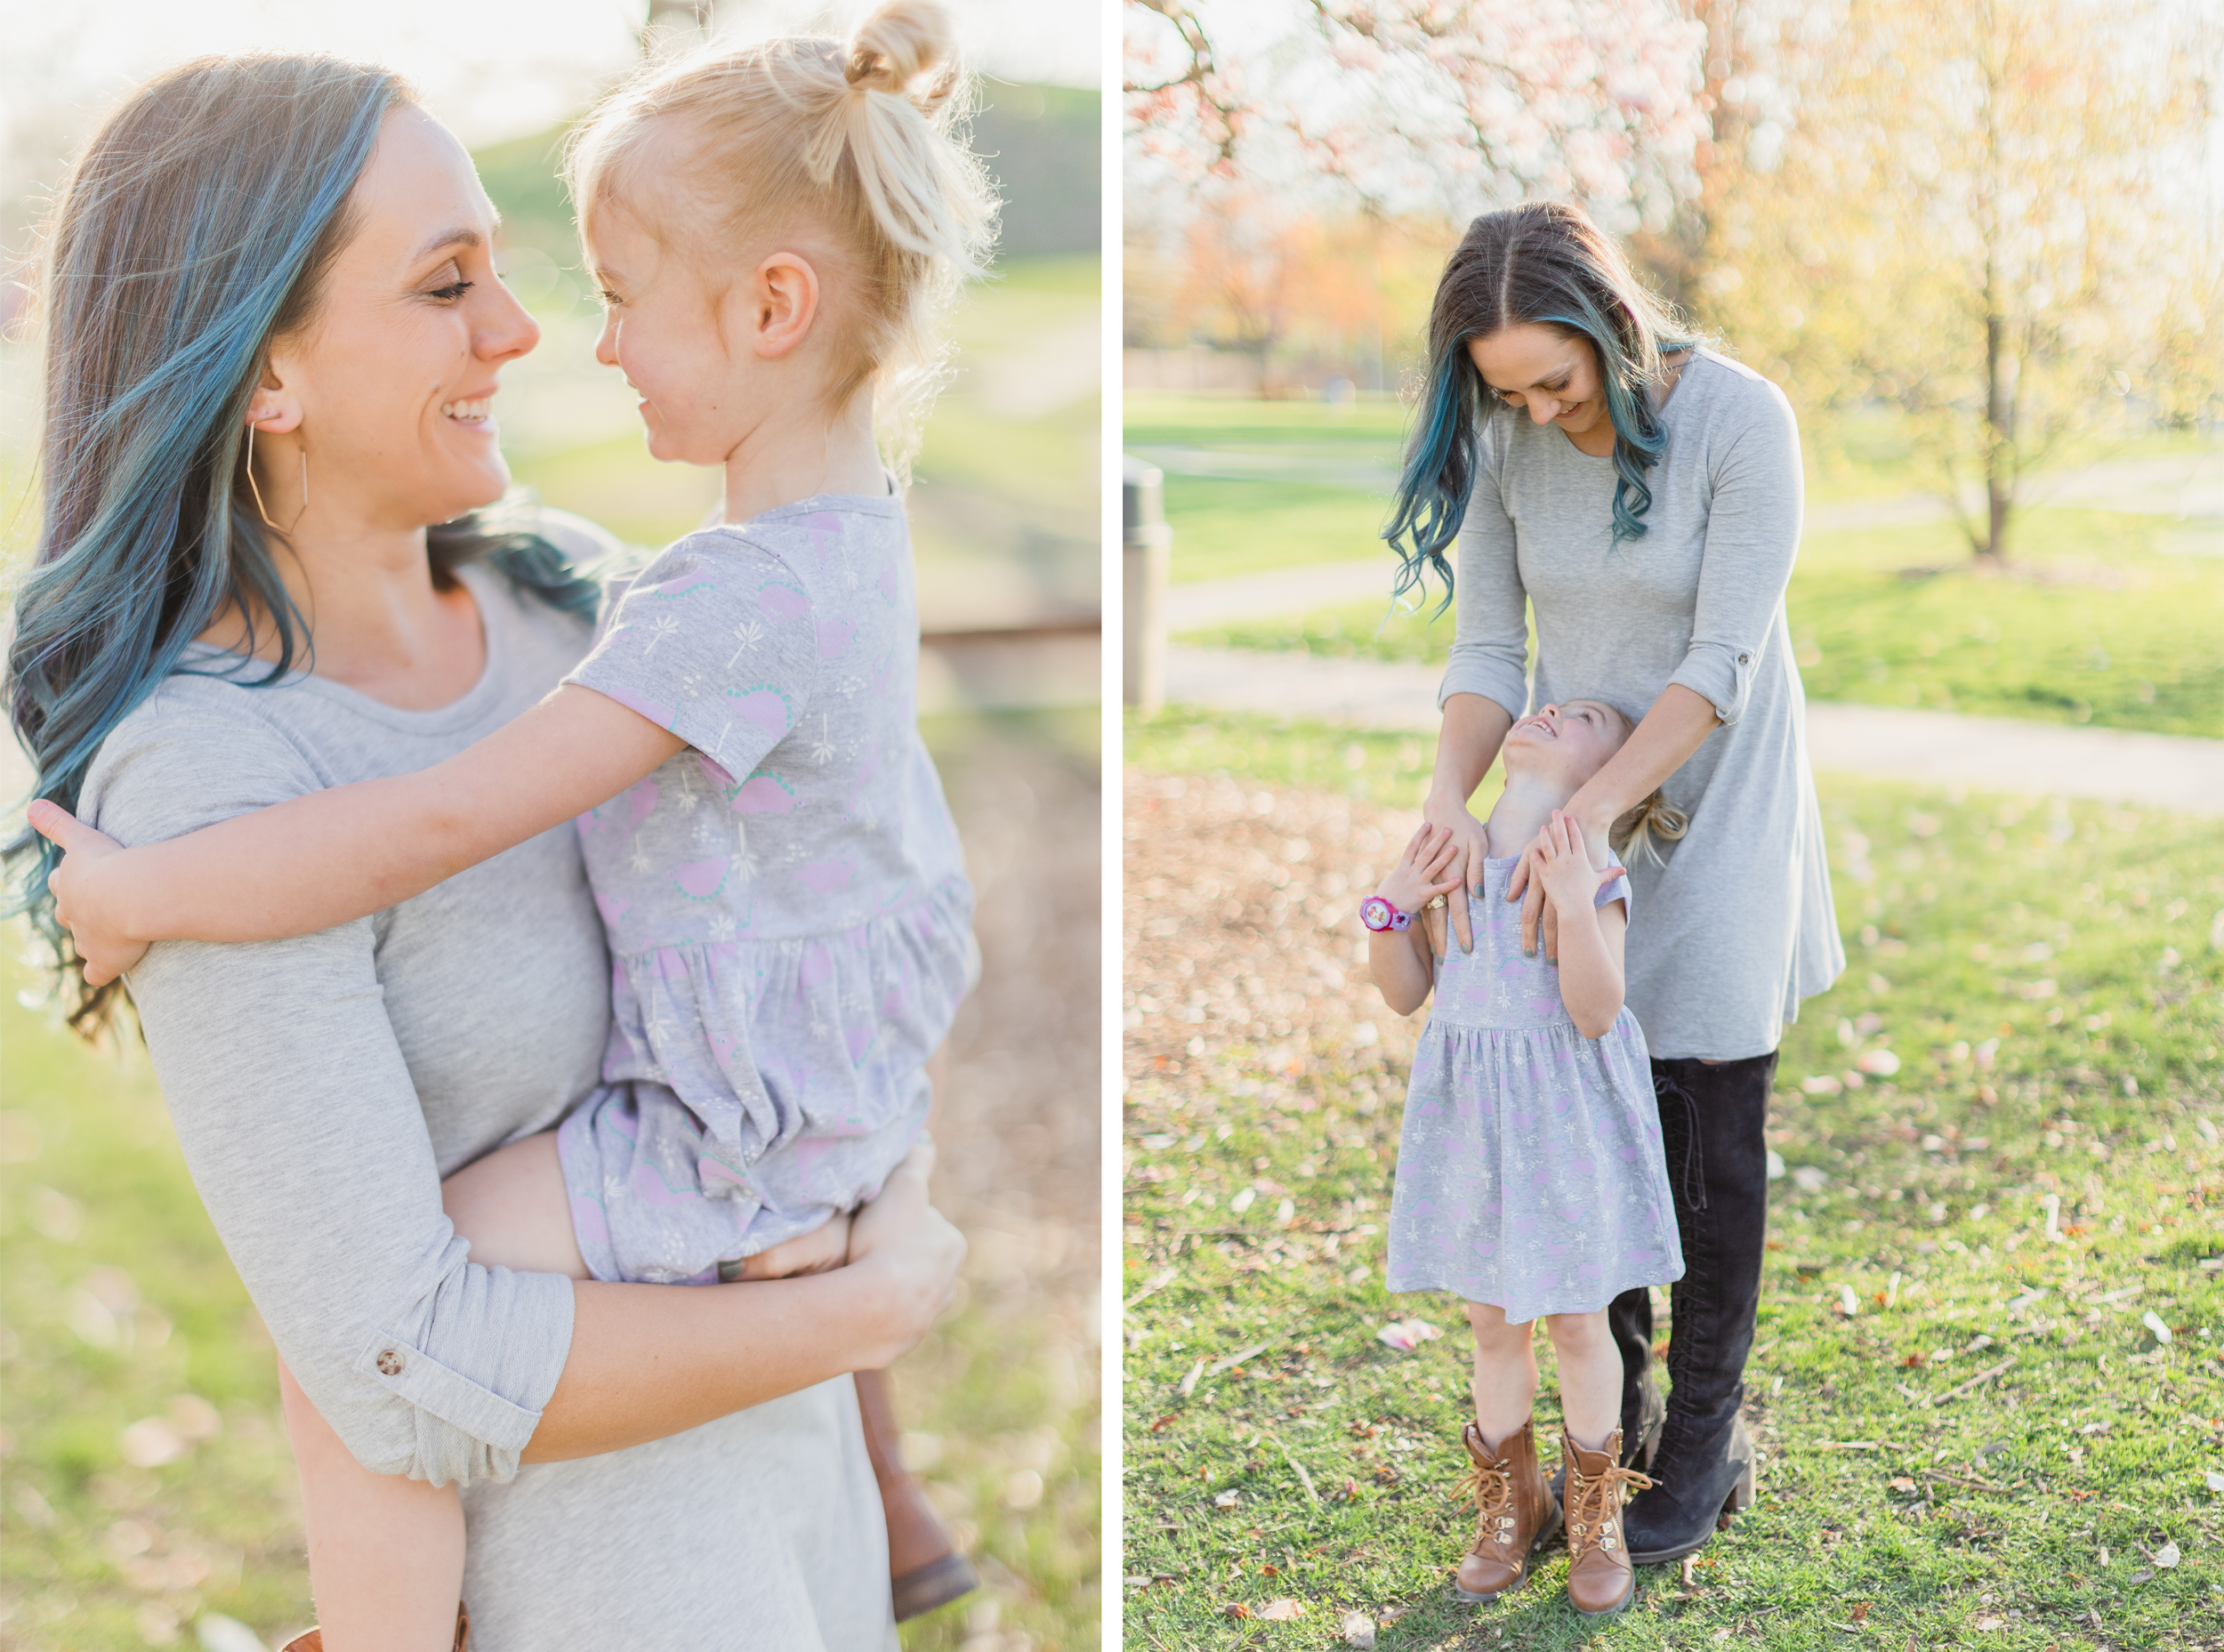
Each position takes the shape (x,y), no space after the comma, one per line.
(1529,1170)
(789,921)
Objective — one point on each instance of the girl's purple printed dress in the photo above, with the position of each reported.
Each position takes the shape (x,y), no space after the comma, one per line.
(789,921)
(1530,1175)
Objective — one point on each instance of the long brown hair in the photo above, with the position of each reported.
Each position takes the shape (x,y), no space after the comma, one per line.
(196,227)
(1544,262)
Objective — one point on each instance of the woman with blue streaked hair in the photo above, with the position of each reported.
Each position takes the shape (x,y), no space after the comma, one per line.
(1640,492)
(275,337)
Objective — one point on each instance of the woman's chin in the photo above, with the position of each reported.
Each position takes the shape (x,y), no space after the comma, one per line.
(474,490)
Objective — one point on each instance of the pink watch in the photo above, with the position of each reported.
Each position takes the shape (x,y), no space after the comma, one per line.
(1379,914)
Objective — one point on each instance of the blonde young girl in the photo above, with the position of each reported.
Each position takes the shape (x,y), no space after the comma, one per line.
(1530,1175)
(773,230)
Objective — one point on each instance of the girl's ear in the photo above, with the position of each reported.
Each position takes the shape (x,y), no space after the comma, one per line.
(783,296)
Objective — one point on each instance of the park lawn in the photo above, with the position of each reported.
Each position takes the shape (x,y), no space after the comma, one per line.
(1294,517)
(2092,622)
(119,1305)
(1915,1492)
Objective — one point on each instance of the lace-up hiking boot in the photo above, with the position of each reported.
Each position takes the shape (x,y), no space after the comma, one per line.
(1515,1515)
(1601,1579)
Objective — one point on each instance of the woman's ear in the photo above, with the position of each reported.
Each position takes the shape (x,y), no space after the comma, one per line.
(783,298)
(274,409)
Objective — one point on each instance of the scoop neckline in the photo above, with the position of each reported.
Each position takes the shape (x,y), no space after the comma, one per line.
(1698,354)
(458,713)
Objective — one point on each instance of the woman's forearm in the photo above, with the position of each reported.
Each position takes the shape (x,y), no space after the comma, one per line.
(1677,726)
(649,1361)
(1474,727)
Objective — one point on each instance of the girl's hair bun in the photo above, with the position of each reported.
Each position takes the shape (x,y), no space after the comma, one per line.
(1638,833)
(896,45)
(867,142)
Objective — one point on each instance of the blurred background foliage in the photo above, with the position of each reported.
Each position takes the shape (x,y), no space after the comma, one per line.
(1972,239)
(149,1492)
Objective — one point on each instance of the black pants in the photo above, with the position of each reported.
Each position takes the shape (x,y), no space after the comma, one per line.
(1712,1123)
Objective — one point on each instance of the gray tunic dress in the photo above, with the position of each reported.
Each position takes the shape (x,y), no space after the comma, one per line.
(1530,1172)
(322,1086)
(1738,926)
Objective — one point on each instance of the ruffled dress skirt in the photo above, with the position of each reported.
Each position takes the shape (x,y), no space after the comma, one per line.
(1530,1169)
(755,1088)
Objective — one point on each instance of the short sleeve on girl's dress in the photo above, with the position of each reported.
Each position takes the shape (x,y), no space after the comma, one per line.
(716,641)
(1618,890)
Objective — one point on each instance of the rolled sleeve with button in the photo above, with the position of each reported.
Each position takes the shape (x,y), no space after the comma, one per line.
(321,1087)
(1752,536)
(293,1068)
(299,1121)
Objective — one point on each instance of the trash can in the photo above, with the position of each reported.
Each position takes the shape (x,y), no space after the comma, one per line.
(1147,556)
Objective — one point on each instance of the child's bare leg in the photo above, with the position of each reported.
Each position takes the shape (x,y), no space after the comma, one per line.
(512,1207)
(1590,1377)
(1504,1385)
(385,1553)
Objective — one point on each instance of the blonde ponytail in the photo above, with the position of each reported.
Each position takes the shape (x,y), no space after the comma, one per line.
(865,141)
(1633,837)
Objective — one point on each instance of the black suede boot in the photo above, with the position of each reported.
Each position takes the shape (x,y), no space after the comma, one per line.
(1711,1120)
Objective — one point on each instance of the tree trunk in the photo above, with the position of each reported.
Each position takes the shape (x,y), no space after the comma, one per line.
(2000,366)
(2000,429)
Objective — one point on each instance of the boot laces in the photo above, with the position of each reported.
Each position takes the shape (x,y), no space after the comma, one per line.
(1594,1505)
(1489,1486)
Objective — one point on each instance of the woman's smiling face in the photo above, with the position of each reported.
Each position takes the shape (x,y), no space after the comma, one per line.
(1552,377)
(394,376)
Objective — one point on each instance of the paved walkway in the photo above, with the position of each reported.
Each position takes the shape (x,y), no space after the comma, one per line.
(1985,753)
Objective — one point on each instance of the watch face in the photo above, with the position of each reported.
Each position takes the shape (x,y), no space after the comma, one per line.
(1375,913)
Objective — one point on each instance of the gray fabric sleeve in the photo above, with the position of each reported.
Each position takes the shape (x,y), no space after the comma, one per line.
(717,641)
(303,1131)
(1490,642)
(1752,536)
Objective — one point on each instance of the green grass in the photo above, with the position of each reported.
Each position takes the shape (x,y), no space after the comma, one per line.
(2093,624)
(1389,768)
(1995,1502)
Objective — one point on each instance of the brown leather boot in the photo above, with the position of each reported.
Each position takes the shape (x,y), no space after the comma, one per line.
(925,1569)
(1601,1579)
(313,1639)
(1515,1514)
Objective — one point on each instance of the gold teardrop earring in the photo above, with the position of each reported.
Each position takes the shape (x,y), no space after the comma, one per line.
(263,510)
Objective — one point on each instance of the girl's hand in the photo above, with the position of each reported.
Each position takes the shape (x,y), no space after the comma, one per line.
(1470,847)
(81,888)
(1540,905)
(1429,867)
(1564,867)
(816,1252)
(903,1244)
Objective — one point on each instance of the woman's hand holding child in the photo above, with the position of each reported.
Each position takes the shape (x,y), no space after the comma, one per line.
(816,1252)
(901,1241)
